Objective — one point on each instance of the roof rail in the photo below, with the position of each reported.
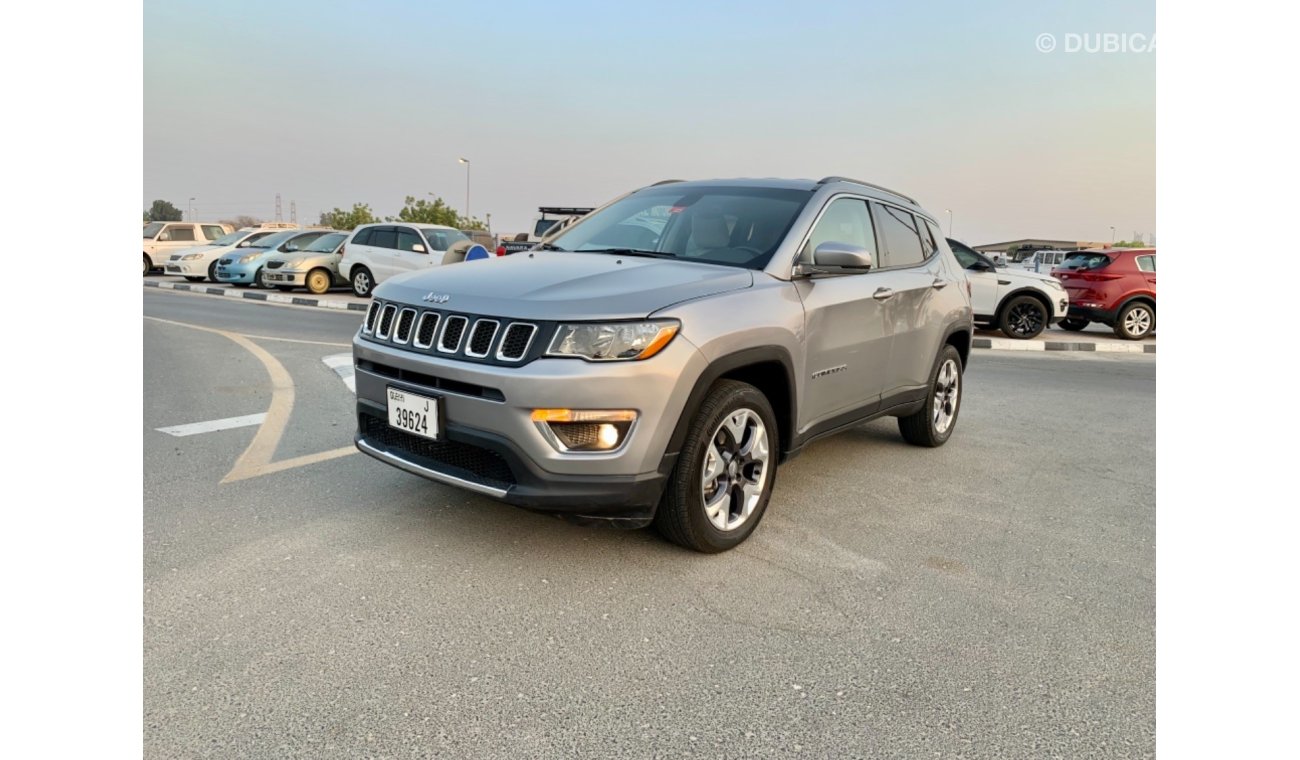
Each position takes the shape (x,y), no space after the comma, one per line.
(835,178)
(666,182)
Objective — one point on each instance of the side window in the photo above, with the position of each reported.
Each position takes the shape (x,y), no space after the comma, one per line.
(212,231)
(1147,263)
(179,233)
(383,237)
(899,233)
(406,239)
(363,237)
(928,246)
(845,221)
(964,257)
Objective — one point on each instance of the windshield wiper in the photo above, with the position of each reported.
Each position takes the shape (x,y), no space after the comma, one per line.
(549,247)
(631,252)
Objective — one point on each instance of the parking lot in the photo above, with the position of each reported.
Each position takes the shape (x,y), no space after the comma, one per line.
(991,598)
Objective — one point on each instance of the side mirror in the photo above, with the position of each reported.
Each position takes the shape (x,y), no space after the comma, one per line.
(843,255)
(980,266)
(418,248)
(290,247)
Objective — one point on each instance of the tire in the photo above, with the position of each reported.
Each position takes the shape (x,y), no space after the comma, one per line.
(319,281)
(259,282)
(194,279)
(147,265)
(1022,318)
(741,492)
(363,283)
(1136,321)
(212,271)
(1073,325)
(926,427)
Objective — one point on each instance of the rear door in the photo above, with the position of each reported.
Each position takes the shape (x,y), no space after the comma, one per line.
(911,313)
(382,251)
(847,341)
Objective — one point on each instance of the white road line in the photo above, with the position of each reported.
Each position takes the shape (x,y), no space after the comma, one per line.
(194,428)
(342,366)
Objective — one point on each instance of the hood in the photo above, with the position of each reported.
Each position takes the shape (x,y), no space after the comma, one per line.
(551,285)
(1025,274)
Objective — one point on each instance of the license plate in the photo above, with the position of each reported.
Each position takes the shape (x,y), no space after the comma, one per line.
(413,414)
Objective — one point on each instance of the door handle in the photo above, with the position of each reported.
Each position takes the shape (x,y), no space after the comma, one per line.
(883,294)
(939,283)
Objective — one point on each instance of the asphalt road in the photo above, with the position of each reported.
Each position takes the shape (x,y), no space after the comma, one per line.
(991,598)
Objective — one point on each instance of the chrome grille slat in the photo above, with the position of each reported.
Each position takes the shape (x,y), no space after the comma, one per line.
(405,321)
(386,321)
(453,327)
(371,314)
(422,339)
(478,347)
(513,348)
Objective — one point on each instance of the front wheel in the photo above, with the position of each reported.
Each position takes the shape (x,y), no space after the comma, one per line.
(259,279)
(1073,325)
(1136,321)
(319,281)
(362,282)
(1023,318)
(147,265)
(933,423)
(212,272)
(723,478)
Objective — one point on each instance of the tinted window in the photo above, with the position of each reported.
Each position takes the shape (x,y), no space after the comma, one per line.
(212,231)
(407,239)
(901,238)
(543,226)
(178,233)
(327,243)
(1147,263)
(1085,261)
(441,240)
(383,237)
(363,237)
(965,258)
(151,229)
(845,221)
(928,246)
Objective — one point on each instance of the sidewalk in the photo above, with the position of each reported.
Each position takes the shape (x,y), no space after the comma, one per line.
(1094,338)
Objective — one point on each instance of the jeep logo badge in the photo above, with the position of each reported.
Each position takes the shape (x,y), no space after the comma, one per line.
(437,298)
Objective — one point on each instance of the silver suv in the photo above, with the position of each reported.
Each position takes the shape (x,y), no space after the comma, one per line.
(654,362)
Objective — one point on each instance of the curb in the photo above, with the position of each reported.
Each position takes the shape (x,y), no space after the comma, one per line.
(1002,344)
(257,295)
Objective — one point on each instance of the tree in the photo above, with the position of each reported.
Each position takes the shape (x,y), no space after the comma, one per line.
(348,220)
(244,220)
(1130,244)
(434,212)
(163,211)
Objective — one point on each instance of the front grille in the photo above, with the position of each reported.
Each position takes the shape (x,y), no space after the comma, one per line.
(404,323)
(488,340)
(225,262)
(274,264)
(515,343)
(425,332)
(386,321)
(480,338)
(452,331)
(177,257)
(463,460)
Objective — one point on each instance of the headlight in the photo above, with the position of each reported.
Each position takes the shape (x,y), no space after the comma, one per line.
(191,256)
(614,341)
(249,258)
(295,264)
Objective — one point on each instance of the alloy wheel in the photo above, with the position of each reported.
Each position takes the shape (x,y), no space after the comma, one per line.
(1025,318)
(1138,321)
(735,469)
(947,391)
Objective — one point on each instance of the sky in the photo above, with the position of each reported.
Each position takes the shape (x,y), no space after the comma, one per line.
(573,103)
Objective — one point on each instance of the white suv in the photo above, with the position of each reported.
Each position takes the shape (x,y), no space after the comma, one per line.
(375,252)
(162,239)
(194,264)
(1018,302)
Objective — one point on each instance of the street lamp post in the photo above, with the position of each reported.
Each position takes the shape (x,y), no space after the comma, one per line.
(191,204)
(465,161)
(949,221)
(1112,237)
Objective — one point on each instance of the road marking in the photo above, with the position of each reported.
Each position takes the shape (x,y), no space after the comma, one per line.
(257,458)
(211,426)
(342,366)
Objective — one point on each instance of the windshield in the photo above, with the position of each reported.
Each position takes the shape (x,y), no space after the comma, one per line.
(1085,261)
(539,229)
(272,240)
(231,239)
(152,229)
(326,243)
(734,226)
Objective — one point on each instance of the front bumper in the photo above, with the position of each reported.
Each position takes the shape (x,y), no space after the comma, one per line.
(285,277)
(490,445)
(187,268)
(238,273)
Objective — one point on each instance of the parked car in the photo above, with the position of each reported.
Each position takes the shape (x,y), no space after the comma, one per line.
(315,267)
(162,239)
(662,384)
(551,220)
(1019,303)
(375,252)
(245,265)
(194,264)
(1116,287)
(1044,261)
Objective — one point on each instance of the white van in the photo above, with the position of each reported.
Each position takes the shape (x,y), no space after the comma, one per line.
(162,239)
(375,252)
(1044,261)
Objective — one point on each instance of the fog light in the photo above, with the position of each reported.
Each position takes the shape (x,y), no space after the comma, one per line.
(584,430)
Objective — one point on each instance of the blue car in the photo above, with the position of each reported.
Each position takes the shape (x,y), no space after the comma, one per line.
(244,265)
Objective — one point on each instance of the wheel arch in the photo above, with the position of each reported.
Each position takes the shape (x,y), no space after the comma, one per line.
(1146,298)
(1024,291)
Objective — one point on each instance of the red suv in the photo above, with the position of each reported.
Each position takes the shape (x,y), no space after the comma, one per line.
(1114,287)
